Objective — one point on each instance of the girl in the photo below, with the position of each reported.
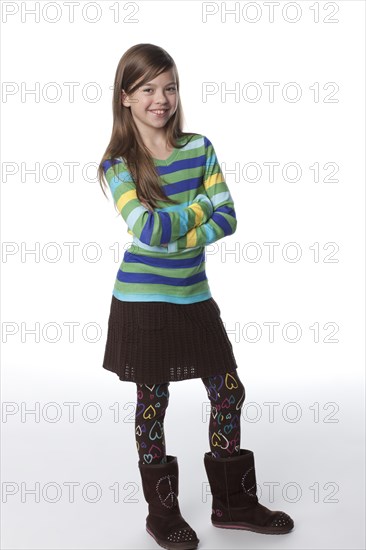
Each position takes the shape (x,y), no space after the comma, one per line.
(164,324)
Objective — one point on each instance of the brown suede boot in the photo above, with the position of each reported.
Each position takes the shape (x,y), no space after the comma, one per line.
(160,483)
(234,491)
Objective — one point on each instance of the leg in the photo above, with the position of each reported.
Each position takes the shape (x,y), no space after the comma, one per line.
(230,469)
(152,402)
(226,394)
(159,471)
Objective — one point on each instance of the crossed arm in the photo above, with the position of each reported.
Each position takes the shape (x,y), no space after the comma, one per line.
(153,228)
(210,218)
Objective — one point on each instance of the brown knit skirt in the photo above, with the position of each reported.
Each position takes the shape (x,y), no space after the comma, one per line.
(156,342)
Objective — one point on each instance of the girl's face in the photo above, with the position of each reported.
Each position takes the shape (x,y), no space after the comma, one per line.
(153,103)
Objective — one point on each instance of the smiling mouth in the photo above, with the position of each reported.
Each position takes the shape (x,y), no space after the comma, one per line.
(158,111)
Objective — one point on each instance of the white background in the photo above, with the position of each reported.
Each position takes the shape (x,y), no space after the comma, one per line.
(325,451)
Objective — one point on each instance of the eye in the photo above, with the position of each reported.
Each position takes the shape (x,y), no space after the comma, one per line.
(171,88)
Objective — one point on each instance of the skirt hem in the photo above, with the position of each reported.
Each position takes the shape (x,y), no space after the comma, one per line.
(160,381)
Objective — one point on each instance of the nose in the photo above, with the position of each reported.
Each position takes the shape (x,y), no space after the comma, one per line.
(160,97)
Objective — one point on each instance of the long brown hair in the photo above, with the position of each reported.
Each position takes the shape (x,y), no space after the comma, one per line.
(144,61)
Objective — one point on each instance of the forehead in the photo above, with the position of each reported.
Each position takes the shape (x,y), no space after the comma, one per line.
(167,77)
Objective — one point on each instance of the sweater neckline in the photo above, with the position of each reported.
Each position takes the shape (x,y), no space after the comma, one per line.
(171,157)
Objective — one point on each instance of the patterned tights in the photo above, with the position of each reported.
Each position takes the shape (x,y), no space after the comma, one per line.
(226,394)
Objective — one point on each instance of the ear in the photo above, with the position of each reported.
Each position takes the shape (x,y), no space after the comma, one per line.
(124,99)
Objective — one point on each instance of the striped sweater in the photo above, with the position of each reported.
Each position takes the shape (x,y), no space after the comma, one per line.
(205,213)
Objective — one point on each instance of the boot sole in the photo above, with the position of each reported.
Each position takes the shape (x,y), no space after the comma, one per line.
(173,545)
(254,529)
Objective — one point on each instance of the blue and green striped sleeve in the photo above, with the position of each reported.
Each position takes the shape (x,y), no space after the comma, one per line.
(153,228)
(223,220)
